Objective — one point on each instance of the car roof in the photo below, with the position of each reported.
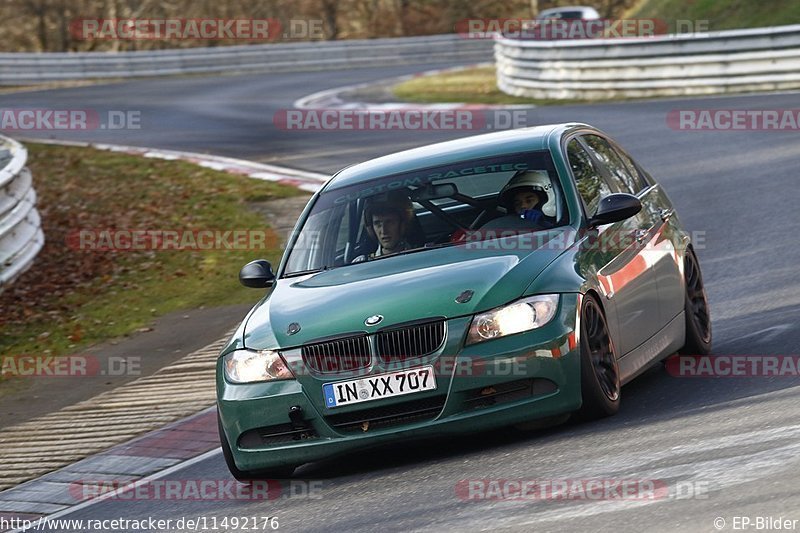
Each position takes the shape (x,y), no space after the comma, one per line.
(448,152)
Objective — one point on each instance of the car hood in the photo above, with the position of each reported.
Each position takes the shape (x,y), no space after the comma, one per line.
(404,288)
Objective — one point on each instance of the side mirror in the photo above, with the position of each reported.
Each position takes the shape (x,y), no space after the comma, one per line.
(257,274)
(614,208)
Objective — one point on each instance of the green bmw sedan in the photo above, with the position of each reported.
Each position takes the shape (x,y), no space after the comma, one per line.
(513,278)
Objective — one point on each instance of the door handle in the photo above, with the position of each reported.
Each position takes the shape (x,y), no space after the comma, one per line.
(641,235)
(666,214)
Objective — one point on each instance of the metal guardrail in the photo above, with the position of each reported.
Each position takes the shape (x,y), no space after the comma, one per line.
(21,236)
(30,68)
(670,65)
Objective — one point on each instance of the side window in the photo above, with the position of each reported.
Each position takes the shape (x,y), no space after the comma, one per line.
(591,186)
(640,181)
(623,176)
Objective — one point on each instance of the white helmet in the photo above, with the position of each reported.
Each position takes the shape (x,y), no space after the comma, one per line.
(530,180)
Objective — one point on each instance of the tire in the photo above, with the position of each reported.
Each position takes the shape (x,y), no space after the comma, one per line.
(247,475)
(698,317)
(600,383)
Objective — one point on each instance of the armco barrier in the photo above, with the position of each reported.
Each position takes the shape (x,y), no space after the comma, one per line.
(670,65)
(30,68)
(21,236)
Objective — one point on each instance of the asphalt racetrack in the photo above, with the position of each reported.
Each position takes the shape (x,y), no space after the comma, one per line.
(732,444)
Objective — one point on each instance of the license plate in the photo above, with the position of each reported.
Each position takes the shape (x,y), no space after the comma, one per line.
(380,386)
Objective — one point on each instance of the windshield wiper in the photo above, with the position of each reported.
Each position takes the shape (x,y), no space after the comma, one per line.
(370,259)
(419,249)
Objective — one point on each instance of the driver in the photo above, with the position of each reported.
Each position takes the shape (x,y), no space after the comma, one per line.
(388,219)
(524,196)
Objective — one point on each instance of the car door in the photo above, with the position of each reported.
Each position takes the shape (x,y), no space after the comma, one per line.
(666,242)
(660,248)
(618,249)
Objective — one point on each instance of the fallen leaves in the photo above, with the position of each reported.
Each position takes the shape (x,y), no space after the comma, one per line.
(81,188)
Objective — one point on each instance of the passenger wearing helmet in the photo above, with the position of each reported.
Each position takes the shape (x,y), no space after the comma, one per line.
(388,219)
(523,197)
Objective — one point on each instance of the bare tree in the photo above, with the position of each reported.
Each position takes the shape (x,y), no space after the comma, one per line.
(39,10)
(45,25)
(330,14)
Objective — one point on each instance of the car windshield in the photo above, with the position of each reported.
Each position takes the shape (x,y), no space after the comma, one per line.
(419,211)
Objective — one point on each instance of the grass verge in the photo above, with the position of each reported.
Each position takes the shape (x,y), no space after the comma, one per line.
(473,85)
(72,298)
(477,85)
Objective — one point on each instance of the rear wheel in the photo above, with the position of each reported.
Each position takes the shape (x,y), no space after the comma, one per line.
(698,318)
(600,383)
(247,475)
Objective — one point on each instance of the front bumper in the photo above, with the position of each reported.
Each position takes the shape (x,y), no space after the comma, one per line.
(505,381)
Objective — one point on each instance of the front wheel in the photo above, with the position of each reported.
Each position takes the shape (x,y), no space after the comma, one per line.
(600,383)
(247,475)
(698,317)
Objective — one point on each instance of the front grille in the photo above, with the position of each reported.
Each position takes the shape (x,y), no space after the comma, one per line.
(399,344)
(338,355)
(277,434)
(389,415)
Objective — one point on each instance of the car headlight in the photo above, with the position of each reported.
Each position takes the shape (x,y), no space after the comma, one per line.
(523,315)
(248,366)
